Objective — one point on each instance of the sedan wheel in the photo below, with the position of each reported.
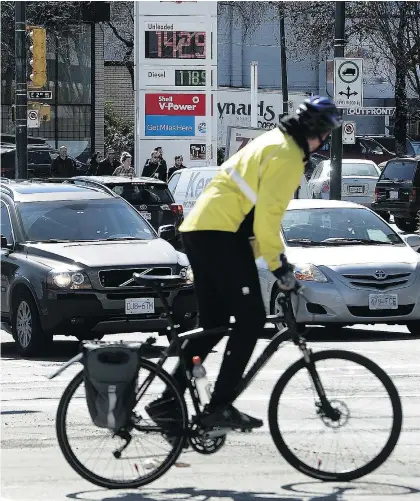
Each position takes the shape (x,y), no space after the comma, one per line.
(275,308)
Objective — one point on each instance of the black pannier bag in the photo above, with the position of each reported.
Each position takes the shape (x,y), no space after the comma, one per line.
(110,377)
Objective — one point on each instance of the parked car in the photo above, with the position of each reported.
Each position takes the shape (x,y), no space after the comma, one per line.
(39,160)
(364,149)
(355,268)
(187,185)
(359,178)
(151,197)
(398,191)
(388,142)
(68,254)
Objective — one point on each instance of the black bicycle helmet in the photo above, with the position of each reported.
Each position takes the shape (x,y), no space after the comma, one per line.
(318,115)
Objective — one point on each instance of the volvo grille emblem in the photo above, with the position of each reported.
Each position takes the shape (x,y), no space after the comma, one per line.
(380,275)
(143,207)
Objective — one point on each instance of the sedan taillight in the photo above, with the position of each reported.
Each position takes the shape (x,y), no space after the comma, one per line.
(177,209)
(376,196)
(413,195)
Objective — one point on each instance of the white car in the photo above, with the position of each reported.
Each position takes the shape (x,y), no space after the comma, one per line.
(186,185)
(355,268)
(359,178)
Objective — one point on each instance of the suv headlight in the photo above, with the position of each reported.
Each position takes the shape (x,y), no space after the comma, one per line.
(68,280)
(309,273)
(187,274)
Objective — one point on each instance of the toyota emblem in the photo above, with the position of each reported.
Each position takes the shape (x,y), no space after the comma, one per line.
(380,275)
(143,207)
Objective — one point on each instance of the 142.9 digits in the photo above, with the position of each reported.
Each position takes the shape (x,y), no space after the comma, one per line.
(175,44)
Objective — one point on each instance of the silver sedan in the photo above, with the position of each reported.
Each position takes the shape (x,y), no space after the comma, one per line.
(355,268)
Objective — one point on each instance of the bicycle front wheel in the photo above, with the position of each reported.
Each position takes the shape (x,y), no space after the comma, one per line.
(90,450)
(350,447)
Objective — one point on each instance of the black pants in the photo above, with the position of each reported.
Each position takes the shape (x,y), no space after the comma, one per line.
(226,284)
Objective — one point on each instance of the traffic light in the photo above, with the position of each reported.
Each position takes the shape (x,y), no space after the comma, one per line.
(38,62)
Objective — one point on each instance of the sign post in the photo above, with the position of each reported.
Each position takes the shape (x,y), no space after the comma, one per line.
(348,82)
(33,119)
(349,132)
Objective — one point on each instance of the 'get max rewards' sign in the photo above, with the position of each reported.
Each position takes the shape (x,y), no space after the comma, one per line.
(176,104)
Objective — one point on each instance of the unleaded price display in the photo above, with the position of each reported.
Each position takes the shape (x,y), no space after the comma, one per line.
(175,45)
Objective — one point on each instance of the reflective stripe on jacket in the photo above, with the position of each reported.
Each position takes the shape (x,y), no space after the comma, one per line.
(264,174)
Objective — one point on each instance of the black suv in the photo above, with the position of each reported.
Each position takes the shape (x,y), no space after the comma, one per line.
(398,191)
(68,254)
(40,157)
(151,197)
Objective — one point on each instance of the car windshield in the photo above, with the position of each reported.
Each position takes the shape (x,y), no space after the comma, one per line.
(399,171)
(336,226)
(138,194)
(79,220)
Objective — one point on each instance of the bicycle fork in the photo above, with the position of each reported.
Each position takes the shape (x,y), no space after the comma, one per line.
(324,405)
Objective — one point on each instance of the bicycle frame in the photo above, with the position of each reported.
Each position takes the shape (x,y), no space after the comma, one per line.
(292,332)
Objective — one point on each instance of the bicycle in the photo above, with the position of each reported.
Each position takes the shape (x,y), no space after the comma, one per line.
(329,410)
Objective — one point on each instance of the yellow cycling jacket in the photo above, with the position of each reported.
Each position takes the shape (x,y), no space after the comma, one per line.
(264,174)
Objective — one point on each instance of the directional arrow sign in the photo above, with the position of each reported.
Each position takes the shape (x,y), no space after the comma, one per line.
(348,82)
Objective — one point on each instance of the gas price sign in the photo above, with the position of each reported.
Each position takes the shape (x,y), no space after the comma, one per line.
(190,78)
(175,45)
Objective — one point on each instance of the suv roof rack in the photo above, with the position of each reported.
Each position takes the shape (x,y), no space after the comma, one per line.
(93,184)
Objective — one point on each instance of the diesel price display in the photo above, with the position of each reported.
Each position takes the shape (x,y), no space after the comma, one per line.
(175,45)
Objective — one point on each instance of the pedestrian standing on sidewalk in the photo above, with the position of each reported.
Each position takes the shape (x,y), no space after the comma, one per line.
(179,164)
(94,164)
(125,169)
(154,167)
(63,165)
(109,164)
(163,170)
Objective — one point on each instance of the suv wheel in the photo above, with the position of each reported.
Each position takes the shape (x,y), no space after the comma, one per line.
(406,224)
(414,327)
(26,326)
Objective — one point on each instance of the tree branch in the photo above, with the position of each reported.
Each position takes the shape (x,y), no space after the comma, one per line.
(127,43)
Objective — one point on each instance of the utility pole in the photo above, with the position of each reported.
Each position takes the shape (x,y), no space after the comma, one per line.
(21,128)
(284,89)
(336,150)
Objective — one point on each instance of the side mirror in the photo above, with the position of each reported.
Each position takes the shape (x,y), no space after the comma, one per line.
(413,241)
(167,232)
(4,244)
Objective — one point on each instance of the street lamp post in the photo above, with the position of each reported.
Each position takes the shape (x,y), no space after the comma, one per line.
(336,150)
(21,128)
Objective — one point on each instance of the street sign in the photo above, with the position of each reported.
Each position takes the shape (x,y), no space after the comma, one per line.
(348,82)
(372,111)
(349,132)
(33,119)
(40,94)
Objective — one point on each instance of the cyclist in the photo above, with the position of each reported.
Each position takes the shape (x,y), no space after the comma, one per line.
(245,201)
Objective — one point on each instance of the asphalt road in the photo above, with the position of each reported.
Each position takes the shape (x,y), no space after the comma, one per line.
(248,468)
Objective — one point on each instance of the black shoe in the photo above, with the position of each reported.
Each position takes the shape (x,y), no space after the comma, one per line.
(229,417)
(166,415)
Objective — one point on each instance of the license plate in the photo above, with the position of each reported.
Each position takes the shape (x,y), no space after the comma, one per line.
(383,301)
(146,215)
(393,195)
(356,189)
(139,306)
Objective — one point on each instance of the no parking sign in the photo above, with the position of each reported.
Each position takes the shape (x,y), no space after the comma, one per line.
(33,118)
(349,132)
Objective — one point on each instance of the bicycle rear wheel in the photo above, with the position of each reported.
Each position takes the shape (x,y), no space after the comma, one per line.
(355,445)
(89,450)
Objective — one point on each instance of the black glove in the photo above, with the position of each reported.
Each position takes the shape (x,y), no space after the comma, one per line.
(286,279)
